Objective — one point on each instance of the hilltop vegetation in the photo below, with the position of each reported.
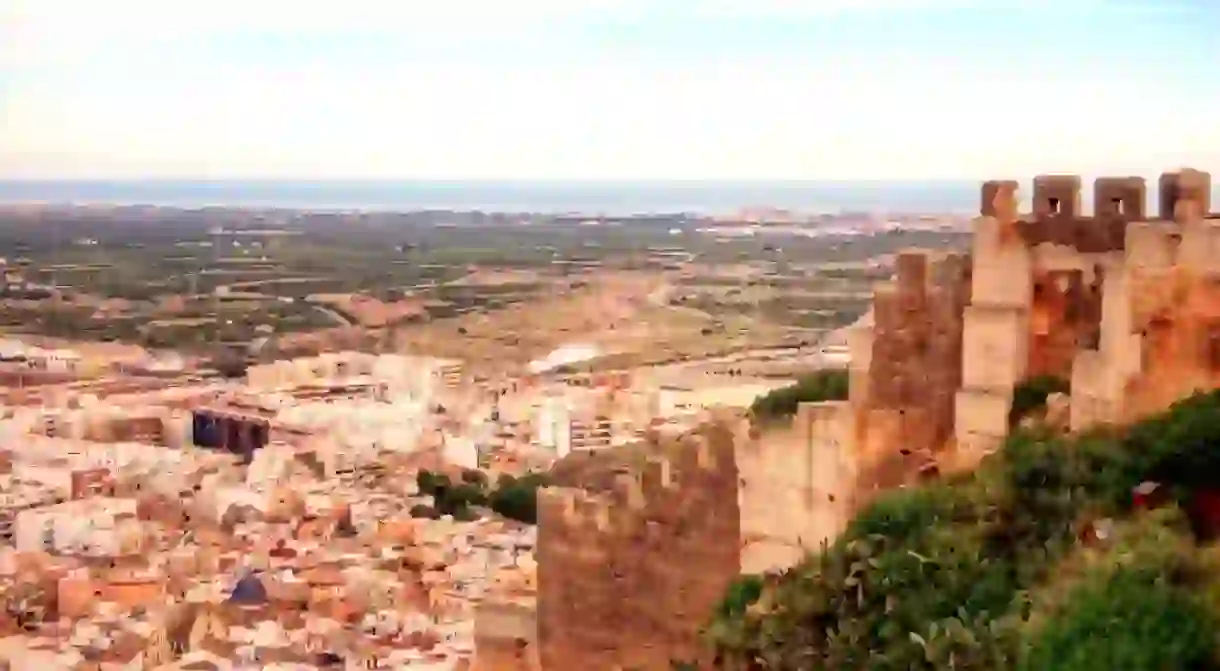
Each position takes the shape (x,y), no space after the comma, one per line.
(824,385)
(1044,559)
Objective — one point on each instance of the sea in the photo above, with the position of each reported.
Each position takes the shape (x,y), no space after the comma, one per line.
(618,198)
(605,198)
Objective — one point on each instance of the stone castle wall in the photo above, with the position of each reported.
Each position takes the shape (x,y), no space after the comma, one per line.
(628,577)
(1126,306)
(1049,296)
(1160,336)
(506,637)
(797,486)
(907,368)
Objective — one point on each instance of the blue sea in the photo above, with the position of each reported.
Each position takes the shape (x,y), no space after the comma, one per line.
(610,198)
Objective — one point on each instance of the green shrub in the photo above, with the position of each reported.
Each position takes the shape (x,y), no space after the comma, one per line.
(899,514)
(430,483)
(473,477)
(743,592)
(1030,396)
(1182,446)
(517,498)
(422,511)
(454,498)
(514,498)
(1137,619)
(825,385)
(940,576)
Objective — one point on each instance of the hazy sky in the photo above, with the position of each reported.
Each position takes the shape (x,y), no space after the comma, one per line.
(800,89)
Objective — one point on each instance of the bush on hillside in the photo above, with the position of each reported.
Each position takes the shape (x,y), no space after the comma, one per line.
(742,593)
(825,385)
(1136,619)
(939,576)
(1030,396)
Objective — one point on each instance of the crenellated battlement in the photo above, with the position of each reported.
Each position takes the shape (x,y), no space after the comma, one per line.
(574,508)
(687,462)
(665,533)
(1057,215)
(1192,246)
(907,368)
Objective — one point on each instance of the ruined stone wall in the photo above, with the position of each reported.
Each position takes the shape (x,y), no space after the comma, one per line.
(1065,316)
(797,486)
(1160,338)
(505,636)
(914,369)
(1043,285)
(627,578)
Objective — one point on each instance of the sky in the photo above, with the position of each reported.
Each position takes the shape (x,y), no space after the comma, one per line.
(606,89)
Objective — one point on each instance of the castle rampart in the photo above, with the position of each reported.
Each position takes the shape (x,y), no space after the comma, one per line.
(611,590)
(1045,297)
(913,354)
(506,637)
(797,485)
(1160,319)
(1125,305)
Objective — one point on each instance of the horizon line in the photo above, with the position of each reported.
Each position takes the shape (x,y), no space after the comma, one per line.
(495,180)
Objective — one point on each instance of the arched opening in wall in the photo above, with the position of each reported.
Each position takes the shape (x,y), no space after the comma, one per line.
(1119,206)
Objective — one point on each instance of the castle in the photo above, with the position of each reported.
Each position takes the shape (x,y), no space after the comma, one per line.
(1125,306)
(627,577)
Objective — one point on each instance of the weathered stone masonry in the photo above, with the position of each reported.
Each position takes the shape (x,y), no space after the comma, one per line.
(628,577)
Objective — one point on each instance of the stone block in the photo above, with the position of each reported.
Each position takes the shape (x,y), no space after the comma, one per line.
(1120,197)
(982,420)
(1002,275)
(994,345)
(1056,196)
(999,199)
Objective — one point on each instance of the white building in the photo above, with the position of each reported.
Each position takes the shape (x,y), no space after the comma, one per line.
(460,451)
(553,425)
(11,349)
(92,526)
(53,360)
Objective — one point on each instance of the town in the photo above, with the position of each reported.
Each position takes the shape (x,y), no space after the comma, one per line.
(434,498)
(262,462)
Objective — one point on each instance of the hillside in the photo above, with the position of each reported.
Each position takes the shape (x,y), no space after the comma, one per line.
(1056,554)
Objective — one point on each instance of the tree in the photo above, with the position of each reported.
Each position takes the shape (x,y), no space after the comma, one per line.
(474,477)
(517,498)
(230,364)
(425,512)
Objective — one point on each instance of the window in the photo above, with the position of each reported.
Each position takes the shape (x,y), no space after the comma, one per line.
(1053,205)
